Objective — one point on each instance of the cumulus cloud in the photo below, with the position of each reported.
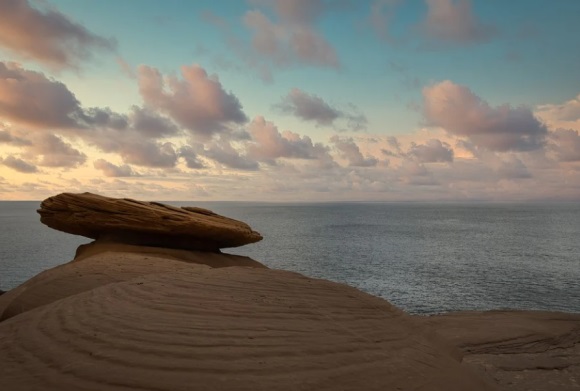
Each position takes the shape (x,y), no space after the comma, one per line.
(191,157)
(111,170)
(53,151)
(46,35)
(564,115)
(566,145)
(30,98)
(18,164)
(293,38)
(453,21)
(7,137)
(288,38)
(149,154)
(349,151)
(269,144)
(310,107)
(151,124)
(433,151)
(462,113)
(197,102)
(222,151)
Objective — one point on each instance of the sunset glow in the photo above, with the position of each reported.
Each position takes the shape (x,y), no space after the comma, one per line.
(291,100)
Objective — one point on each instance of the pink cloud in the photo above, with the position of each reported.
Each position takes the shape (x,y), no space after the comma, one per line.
(53,151)
(566,144)
(30,98)
(197,102)
(47,36)
(563,115)
(453,21)
(350,151)
(462,113)
(269,144)
(111,170)
(310,107)
(222,151)
(433,151)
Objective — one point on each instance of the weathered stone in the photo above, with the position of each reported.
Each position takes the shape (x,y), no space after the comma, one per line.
(143,223)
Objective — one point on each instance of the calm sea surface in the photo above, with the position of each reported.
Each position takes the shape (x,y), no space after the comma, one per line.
(425,258)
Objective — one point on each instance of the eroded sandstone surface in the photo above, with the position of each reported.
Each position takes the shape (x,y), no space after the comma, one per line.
(152,304)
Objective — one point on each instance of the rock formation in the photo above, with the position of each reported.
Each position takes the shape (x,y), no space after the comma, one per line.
(139,309)
(519,350)
(143,223)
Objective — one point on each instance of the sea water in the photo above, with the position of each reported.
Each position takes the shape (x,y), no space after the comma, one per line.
(424,258)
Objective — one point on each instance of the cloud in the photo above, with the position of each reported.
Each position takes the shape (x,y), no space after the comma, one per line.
(287,39)
(513,168)
(111,170)
(54,152)
(222,151)
(18,164)
(293,39)
(566,144)
(269,144)
(191,158)
(349,151)
(150,124)
(197,102)
(300,12)
(416,174)
(565,115)
(462,113)
(453,21)
(148,153)
(30,98)
(381,17)
(310,107)
(7,137)
(126,68)
(433,151)
(47,36)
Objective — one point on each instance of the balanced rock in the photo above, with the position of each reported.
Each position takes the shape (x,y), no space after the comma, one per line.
(134,222)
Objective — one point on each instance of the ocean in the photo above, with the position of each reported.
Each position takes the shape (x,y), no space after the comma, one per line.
(424,258)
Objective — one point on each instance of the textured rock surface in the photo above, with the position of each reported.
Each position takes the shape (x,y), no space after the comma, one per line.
(100,264)
(519,350)
(225,329)
(143,223)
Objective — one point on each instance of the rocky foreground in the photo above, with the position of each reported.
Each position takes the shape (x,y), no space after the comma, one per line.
(153,304)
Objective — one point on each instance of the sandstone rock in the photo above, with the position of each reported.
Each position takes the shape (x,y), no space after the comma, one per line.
(519,350)
(231,328)
(143,223)
(99,264)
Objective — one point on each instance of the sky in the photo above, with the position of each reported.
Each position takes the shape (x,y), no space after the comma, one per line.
(291,100)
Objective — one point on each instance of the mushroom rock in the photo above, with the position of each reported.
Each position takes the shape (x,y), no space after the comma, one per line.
(231,328)
(143,223)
